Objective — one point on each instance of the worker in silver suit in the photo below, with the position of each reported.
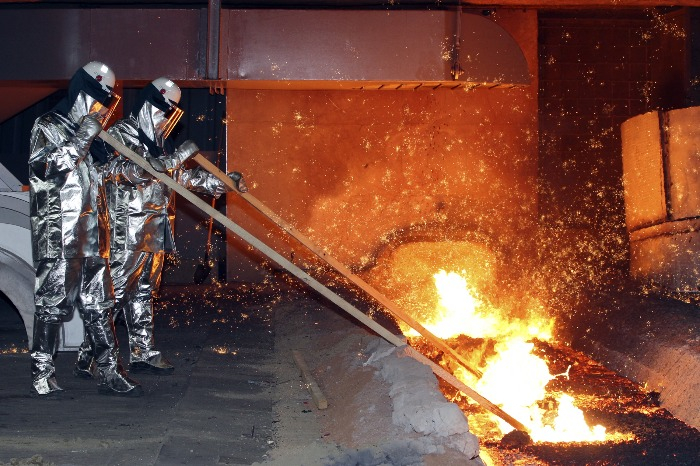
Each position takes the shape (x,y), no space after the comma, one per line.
(70,231)
(142,229)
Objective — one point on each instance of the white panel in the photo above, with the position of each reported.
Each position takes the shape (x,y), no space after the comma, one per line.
(17,240)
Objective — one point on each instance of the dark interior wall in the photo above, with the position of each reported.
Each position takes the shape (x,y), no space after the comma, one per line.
(204,122)
(595,73)
(671,60)
(694,61)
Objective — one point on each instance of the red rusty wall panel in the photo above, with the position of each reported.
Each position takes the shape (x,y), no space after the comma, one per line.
(349,168)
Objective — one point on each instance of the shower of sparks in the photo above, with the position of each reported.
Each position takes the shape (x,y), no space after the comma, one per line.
(667,26)
(225,350)
(14,350)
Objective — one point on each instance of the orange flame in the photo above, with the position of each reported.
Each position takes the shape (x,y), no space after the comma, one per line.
(514,378)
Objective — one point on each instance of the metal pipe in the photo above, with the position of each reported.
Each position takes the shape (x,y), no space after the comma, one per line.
(456,69)
(213,38)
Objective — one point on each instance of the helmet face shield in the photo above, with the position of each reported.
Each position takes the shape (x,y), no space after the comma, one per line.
(171,119)
(101,88)
(112,102)
(103,112)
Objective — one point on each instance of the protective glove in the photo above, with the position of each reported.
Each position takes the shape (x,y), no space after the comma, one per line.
(89,128)
(173,161)
(186,150)
(238,180)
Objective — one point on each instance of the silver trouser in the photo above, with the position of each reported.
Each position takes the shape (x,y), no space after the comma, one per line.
(63,285)
(43,351)
(136,276)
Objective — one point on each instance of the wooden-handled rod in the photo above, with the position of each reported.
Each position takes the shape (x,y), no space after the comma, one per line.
(369,289)
(309,280)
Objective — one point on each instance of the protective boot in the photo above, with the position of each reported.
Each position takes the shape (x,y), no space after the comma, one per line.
(143,357)
(44,347)
(111,377)
(85,365)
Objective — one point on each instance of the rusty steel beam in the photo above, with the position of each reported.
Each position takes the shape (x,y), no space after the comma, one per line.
(579,4)
(601,4)
(398,47)
(393,48)
(381,4)
(42,44)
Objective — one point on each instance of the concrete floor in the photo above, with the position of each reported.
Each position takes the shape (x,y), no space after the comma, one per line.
(215,409)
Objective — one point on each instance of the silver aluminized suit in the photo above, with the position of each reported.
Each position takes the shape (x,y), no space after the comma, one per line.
(70,239)
(142,231)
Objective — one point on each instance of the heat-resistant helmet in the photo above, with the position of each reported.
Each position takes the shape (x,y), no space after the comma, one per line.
(103,74)
(170,93)
(102,90)
(168,89)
